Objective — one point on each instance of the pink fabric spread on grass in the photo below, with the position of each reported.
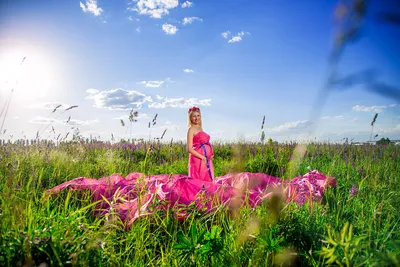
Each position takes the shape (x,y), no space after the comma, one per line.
(197,169)
(137,195)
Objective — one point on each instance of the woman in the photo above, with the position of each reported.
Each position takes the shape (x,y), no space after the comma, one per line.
(199,148)
(120,195)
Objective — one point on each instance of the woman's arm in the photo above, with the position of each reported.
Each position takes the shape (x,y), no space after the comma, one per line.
(190,146)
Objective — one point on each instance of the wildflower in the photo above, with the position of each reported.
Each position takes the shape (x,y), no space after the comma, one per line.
(54,110)
(163,134)
(374,119)
(353,190)
(263,121)
(301,194)
(361,171)
(71,107)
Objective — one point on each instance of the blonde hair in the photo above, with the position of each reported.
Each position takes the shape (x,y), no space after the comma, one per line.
(190,115)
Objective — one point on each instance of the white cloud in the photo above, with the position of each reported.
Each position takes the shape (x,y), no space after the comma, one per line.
(50,105)
(188,70)
(171,127)
(169,80)
(152,84)
(91,7)
(181,102)
(187,4)
(237,38)
(376,109)
(226,34)
(339,117)
(190,20)
(291,126)
(169,28)
(154,8)
(141,116)
(138,29)
(92,91)
(71,122)
(40,119)
(118,99)
(74,122)
(390,130)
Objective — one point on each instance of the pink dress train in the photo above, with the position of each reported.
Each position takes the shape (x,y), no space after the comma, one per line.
(138,195)
(196,167)
(121,197)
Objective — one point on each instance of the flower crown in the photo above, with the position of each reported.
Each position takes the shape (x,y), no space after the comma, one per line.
(193,109)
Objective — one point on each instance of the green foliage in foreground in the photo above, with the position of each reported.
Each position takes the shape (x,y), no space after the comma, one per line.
(357,224)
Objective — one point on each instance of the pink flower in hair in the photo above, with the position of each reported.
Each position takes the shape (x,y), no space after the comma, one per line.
(193,109)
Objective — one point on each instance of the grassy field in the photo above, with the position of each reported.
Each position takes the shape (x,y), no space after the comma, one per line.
(356,224)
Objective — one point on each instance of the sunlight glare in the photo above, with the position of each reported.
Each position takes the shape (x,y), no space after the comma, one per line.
(26,71)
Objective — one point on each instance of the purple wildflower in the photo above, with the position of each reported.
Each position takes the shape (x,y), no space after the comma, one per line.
(353,190)
(301,194)
(361,171)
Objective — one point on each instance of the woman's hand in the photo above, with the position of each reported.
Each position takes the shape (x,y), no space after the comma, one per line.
(204,159)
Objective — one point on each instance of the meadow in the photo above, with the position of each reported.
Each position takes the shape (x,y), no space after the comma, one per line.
(356,223)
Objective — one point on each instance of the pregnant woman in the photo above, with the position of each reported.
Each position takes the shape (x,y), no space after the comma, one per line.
(200,150)
(120,194)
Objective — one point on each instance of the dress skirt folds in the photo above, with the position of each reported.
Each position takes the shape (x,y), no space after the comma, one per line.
(138,195)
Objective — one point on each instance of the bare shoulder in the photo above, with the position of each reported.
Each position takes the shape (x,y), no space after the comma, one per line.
(190,130)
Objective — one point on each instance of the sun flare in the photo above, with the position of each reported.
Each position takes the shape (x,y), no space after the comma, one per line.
(27,72)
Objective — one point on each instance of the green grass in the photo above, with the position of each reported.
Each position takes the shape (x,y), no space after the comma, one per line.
(359,230)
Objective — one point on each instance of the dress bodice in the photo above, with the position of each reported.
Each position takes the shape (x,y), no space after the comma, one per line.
(200,138)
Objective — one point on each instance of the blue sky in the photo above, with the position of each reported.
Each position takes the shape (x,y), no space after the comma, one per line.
(238,60)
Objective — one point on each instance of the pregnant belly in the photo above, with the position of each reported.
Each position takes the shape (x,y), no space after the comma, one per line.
(205,148)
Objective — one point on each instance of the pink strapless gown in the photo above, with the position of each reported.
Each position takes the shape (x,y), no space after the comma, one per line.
(196,167)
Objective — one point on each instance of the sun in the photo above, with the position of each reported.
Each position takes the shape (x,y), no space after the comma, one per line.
(28,73)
